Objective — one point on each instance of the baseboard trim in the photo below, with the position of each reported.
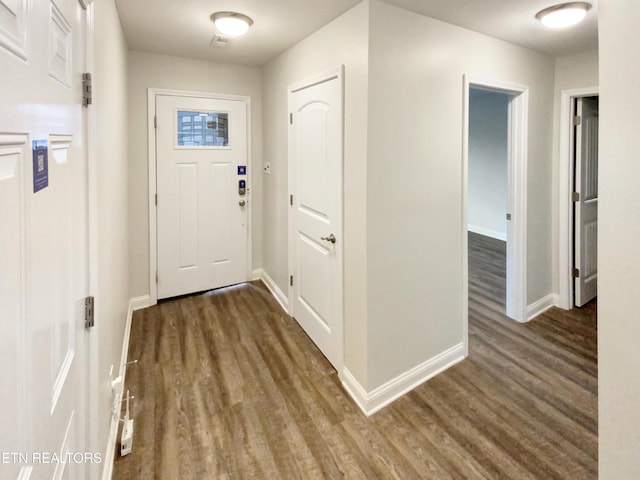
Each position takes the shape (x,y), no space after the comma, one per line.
(143,301)
(279,295)
(371,402)
(487,232)
(109,458)
(542,305)
(256,274)
(135,303)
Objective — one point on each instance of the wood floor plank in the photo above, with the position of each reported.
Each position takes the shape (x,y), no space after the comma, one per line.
(439,443)
(228,386)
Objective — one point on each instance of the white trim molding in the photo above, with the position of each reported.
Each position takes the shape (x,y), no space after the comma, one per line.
(135,303)
(488,233)
(565,188)
(371,402)
(540,306)
(256,274)
(280,296)
(516,298)
(109,457)
(93,417)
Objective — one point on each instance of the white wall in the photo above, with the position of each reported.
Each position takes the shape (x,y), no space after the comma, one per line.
(343,41)
(403,176)
(112,296)
(147,70)
(576,71)
(414,222)
(488,163)
(618,241)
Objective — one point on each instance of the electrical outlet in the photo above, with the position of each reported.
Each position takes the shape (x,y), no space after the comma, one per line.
(266,168)
(126,440)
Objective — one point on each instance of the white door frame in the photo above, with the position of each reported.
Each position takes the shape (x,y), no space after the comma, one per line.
(93,414)
(516,300)
(565,188)
(335,72)
(151,137)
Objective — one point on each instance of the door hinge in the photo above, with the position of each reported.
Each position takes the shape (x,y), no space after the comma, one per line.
(291,118)
(155,122)
(89,312)
(291,199)
(575,196)
(87,92)
(156,199)
(508,216)
(576,273)
(156,276)
(577,120)
(291,280)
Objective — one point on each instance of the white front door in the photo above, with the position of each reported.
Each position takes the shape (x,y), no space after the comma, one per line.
(202,156)
(44,240)
(586,205)
(315,155)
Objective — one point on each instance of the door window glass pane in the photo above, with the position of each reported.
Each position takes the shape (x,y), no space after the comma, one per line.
(203,129)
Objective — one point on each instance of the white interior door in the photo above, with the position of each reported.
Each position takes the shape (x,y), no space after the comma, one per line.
(202,211)
(315,155)
(44,240)
(586,204)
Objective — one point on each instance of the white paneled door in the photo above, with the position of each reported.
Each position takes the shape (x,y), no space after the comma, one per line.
(203,193)
(586,205)
(43,240)
(315,155)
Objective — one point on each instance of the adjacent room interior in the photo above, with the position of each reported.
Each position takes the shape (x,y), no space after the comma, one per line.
(487,198)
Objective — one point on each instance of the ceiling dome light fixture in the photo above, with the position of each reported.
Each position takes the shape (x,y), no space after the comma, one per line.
(231,23)
(563,15)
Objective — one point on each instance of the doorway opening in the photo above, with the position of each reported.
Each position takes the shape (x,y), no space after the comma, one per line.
(315,295)
(487,205)
(578,197)
(585,199)
(495,184)
(199,191)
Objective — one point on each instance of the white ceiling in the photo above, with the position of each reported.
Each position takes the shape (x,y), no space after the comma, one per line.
(183,27)
(513,21)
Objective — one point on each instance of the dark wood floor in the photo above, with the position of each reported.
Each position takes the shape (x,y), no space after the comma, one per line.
(229,387)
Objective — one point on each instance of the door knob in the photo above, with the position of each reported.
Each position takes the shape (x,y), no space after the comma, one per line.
(242,203)
(331,238)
